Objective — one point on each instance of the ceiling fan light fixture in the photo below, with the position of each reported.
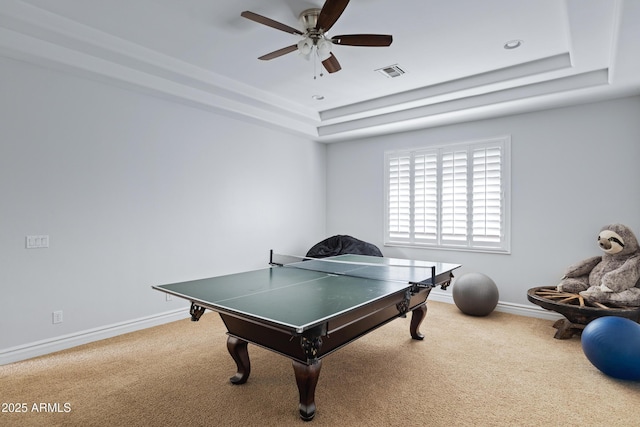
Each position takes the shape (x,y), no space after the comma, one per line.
(324,49)
(304,46)
(324,57)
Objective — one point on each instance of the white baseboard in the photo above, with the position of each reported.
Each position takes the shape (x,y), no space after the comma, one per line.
(63,342)
(505,307)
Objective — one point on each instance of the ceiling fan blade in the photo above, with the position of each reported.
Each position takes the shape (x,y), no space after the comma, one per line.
(363,40)
(279,52)
(331,64)
(270,22)
(330,13)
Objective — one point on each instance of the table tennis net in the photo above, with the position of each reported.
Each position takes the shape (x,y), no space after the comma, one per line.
(396,270)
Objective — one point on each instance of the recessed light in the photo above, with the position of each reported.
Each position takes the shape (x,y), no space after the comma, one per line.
(318,97)
(513,44)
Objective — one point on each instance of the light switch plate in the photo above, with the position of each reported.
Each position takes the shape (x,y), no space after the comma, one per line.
(40,241)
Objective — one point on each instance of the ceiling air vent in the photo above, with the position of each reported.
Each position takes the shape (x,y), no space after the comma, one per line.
(391,71)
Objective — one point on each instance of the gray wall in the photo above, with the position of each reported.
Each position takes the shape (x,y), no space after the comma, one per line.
(134,191)
(573,170)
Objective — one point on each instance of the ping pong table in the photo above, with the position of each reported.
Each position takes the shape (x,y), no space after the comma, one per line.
(309,308)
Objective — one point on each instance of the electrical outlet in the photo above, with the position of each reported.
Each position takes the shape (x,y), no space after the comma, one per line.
(169,297)
(57,316)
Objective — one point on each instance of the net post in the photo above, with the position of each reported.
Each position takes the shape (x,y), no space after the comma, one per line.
(433,276)
(271,261)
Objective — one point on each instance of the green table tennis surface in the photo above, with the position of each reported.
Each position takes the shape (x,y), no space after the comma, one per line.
(297,296)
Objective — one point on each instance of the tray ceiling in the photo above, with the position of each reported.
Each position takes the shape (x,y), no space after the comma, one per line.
(455,66)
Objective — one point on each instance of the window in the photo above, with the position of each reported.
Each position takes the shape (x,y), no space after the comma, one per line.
(454,196)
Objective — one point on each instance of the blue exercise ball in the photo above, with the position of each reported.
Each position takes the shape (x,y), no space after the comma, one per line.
(475,294)
(612,344)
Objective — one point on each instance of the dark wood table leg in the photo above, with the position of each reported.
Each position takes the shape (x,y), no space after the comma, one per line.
(307,379)
(238,350)
(417,316)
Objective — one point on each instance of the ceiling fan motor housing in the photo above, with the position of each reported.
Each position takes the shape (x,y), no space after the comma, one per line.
(309,18)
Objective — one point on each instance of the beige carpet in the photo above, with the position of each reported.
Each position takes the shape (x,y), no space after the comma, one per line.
(500,370)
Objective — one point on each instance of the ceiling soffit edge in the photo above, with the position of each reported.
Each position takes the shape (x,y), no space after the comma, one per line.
(548,87)
(537,67)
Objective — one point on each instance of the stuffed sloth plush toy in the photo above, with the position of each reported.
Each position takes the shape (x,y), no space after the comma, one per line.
(613,277)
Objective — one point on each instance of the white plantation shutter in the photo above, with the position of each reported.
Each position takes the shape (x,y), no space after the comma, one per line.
(449,197)
(487,195)
(399,198)
(454,196)
(425,200)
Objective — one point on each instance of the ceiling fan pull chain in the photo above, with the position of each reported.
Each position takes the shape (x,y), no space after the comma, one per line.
(316,62)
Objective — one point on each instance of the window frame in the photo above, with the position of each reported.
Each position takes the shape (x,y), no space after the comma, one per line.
(409,239)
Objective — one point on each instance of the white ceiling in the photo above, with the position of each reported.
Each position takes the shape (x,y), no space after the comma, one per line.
(203,53)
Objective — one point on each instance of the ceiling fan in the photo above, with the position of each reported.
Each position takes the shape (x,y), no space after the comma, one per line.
(316,23)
